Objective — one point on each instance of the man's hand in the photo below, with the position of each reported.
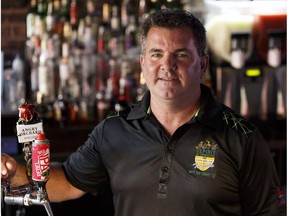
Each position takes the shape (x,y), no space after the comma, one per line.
(8,167)
(58,188)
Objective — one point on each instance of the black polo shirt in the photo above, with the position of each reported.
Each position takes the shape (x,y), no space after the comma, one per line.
(215,164)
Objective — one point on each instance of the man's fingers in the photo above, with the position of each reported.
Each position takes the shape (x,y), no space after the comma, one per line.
(3,172)
(8,165)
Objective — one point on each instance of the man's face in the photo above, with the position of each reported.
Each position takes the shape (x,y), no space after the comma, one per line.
(171,65)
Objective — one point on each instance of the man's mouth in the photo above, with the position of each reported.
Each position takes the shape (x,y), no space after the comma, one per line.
(168,79)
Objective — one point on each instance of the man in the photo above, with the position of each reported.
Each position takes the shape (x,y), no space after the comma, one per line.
(178,151)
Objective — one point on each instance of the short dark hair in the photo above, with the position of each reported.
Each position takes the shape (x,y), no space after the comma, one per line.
(175,18)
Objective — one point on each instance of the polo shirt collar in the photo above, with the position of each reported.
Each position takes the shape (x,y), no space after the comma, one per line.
(141,109)
(210,112)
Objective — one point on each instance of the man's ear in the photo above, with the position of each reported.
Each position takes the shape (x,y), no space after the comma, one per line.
(204,64)
(141,59)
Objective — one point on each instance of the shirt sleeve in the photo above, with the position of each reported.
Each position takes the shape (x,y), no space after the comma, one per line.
(260,189)
(84,168)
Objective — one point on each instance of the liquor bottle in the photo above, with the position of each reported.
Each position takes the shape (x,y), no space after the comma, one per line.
(102,60)
(83,112)
(61,111)
(40,19)
(120,103)
(106,13)
(126,10)
(63,17)
(30,46)
(50,19)
(126,86)
(142,87)
(73,14)
(18,69)
(73,81)
(124,97)
(64,10)
(87,36)
(73,111)
(103,91)
(116,43)
(16,84)
(112,84)
(42,7)
(142,12)
(64,69)
(103,102)
(61,114)
(104,29)
(131,35)
(57,16)
(35,49)
(30,19)
(92,18)
(46,72)
(114,76)
(67,32)
(87,107)
(115,21)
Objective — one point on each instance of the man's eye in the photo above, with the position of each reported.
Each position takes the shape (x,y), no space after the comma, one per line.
(156,55)
(181,55)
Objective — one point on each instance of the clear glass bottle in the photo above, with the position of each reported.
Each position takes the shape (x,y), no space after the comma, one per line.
(30,18)
(17,83)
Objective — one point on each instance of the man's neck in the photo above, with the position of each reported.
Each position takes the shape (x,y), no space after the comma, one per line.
(172,115)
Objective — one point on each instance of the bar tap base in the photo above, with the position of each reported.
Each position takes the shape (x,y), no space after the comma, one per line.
(90,204)
(27,195)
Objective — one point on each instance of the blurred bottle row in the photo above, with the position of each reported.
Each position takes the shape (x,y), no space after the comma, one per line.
(80,63)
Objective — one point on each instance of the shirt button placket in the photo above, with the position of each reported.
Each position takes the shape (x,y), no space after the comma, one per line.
(165,173)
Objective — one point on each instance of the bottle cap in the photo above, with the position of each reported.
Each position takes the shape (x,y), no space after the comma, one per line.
(40,136)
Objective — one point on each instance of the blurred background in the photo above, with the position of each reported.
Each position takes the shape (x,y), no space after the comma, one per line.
(77,61)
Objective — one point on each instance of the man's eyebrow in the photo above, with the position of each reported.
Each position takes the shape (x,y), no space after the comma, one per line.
(183,50)
(153,50)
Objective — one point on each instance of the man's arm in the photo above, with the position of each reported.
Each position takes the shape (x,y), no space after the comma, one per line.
(58,188)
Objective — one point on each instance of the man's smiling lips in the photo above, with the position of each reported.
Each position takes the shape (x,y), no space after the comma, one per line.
(167,79)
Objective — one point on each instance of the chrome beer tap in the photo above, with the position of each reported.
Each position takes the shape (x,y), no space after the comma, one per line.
(36,152)
(27,195)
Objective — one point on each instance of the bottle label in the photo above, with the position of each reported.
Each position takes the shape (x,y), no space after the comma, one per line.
(40,161)
(27,133)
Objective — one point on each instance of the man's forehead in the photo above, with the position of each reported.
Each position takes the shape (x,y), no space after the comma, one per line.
(176,39)
(183,33)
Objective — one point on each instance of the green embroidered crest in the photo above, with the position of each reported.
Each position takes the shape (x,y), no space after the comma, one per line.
(204,159)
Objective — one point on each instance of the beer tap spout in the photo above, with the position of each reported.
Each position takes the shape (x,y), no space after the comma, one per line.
(48,208)
(26,196)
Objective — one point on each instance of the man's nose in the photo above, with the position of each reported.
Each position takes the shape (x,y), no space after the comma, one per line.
(169,63)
